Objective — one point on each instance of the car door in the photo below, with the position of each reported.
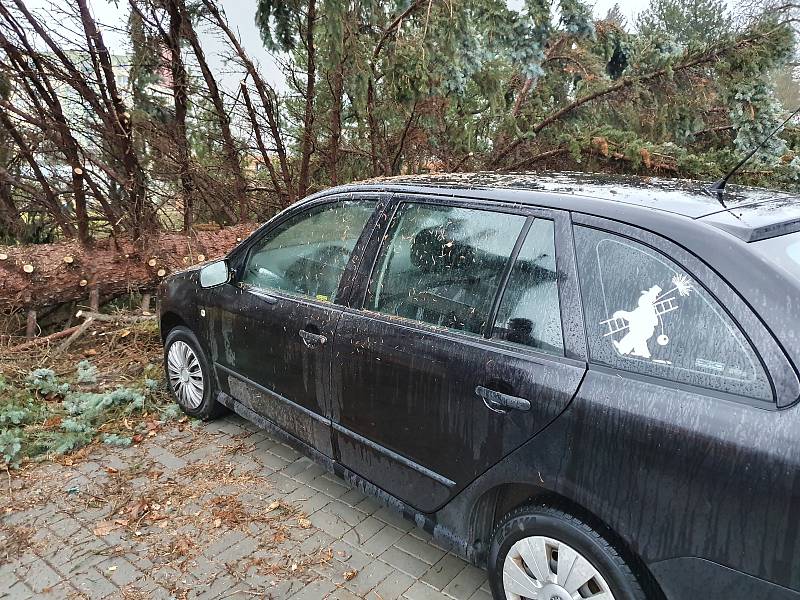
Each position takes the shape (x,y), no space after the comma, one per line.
(271,329)
(455,356)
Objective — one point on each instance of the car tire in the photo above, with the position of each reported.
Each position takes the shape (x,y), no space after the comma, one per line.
(189,375)
(542,534)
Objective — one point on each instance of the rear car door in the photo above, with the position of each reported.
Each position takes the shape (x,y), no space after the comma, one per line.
(271,329)
(457,353)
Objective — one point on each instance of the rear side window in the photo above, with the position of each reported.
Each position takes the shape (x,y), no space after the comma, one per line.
(529,312)
(645,314)
(442,265)
(307,254)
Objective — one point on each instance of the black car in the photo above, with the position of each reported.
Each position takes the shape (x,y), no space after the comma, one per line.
(586,385)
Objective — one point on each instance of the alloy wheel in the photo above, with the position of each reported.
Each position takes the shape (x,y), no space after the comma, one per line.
(185,374)
(541,568)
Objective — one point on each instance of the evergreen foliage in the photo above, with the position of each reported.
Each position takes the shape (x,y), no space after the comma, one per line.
(46,416)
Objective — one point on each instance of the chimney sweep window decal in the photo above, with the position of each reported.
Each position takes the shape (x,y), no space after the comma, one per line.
(640,324)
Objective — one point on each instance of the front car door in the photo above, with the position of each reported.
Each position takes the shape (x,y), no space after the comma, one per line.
(457,355)
(271,329)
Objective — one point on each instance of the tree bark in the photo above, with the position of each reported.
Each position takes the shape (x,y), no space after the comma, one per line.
(114,265)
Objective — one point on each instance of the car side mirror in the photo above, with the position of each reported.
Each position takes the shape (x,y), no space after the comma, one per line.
(214,274)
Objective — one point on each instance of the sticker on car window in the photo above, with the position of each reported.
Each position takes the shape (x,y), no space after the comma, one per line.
(640,324)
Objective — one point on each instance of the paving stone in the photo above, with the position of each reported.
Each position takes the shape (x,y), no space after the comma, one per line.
(331,488)
(314,590)
(404,561)
(238,551)
(444,571)
(466,582)
(363,531)
(369,577)
(41,576)
(392,587)
(17,591)
(422,550)
(286,453)
(330,524)
(282,484)
(166,458)
(481,594)
(392,517)
(65,527)
(349,515)
(119,570)
(421,591)
(93,584)
(381,541)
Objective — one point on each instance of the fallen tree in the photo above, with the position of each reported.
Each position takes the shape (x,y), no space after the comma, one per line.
(35,276)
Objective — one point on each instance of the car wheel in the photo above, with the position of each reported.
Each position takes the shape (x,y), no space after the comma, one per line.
(540,552)
(189,375)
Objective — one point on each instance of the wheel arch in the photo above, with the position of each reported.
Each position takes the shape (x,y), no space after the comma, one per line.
(169,321)
(496,502)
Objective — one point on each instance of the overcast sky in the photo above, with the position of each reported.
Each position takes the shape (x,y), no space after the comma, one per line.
(112,15)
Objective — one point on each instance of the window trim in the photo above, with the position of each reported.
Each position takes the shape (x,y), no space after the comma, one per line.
(771,358)
(239,256)
(571,311)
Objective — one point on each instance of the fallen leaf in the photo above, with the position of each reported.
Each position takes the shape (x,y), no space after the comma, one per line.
(217,522)
(349,575)
(273,505)
(112,568)
(304,522)
(104,528)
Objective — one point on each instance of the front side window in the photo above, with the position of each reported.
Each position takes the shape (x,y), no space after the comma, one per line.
(307,254)
(529,311)
(645,314)
(442,265)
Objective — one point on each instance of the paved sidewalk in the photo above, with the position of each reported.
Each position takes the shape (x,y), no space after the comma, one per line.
(217,510)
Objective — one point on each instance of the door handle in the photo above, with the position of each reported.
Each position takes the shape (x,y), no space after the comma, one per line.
(500,402)
(312,340)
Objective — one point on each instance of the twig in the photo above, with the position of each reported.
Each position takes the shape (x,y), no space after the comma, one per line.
(75,335)
(48,338)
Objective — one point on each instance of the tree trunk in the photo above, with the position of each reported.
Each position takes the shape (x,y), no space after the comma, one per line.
(307,146)
(113,265)
(181,102)
(231,153)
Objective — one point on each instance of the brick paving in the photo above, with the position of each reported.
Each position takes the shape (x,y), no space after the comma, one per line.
(217,510)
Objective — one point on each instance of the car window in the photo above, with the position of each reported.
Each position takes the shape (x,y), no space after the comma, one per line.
(307,254)
(529,311)
(645,314)
(442,265)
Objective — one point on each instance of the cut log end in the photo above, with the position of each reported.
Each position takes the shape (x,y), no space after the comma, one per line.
(28,269)
(69,260)
(3,256)
(161,272)
(152,262)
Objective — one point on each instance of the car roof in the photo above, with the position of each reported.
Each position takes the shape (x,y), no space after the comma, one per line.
(749,213)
